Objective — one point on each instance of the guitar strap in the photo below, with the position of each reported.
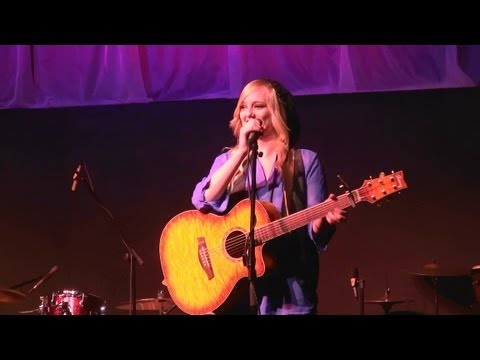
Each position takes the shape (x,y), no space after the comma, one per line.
(294,182)
(295,189)
(295,200)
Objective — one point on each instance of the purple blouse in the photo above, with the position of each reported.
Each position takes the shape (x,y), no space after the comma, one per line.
(270,188)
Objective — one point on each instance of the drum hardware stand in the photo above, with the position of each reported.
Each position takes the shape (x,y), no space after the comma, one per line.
(169,310)
(43,309)
(81,175)
(64,308)
(26,312)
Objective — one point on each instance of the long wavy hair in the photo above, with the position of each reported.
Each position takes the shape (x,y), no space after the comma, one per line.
(285,121)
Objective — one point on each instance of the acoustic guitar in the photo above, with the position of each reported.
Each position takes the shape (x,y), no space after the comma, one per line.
(201,254)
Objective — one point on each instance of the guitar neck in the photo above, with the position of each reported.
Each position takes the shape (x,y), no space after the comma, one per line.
(286,224)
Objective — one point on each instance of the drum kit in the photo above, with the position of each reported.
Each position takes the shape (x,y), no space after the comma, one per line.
(433,271)
(74,302)
(163,306)
(386,302)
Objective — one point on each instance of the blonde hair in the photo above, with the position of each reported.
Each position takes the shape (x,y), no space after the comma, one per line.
(276,106)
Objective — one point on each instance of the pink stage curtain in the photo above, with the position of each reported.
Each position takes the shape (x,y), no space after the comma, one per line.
(42,76)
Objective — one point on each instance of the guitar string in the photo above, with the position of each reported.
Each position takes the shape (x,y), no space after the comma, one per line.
(237,242)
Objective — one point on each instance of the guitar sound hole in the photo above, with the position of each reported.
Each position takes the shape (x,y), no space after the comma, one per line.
(235,244)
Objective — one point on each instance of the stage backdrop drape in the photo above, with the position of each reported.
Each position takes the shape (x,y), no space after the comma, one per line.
(43,76)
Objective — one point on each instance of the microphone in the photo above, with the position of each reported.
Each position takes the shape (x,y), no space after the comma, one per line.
(354,282)
(76,177)
(253,136)
(44,278)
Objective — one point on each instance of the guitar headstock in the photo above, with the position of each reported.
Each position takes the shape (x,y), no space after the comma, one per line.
(376,189)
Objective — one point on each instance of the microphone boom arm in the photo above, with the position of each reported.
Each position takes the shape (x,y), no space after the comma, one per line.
(44,278)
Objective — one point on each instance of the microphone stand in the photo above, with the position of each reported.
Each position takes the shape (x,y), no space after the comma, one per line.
(358,286)
(25,282)
(131,255)
(250,252)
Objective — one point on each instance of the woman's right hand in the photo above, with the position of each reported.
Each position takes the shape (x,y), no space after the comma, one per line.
(251,125)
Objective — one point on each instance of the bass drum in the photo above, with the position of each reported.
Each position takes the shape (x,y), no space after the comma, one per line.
(72,302)
(475,273)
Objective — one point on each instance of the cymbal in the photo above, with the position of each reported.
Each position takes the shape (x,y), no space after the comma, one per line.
(149,304)
(386,301)
(9,295)
(434,270)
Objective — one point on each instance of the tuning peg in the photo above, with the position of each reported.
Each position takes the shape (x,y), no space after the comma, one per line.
(380,177)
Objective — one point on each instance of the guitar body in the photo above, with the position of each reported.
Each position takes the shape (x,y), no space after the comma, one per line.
(201,255)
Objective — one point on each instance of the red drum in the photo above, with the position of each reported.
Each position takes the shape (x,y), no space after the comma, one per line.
(475,272)
(72,302)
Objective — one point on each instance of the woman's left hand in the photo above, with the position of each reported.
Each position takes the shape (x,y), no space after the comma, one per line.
(337,215)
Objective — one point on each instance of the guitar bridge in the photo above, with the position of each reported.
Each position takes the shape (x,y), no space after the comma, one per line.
(204,258)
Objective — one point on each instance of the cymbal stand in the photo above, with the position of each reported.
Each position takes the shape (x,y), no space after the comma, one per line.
(161,295)
(166,312)
(435,285)
(387,306)
(361,293)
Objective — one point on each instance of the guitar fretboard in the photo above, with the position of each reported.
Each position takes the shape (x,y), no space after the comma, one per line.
(286,224)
